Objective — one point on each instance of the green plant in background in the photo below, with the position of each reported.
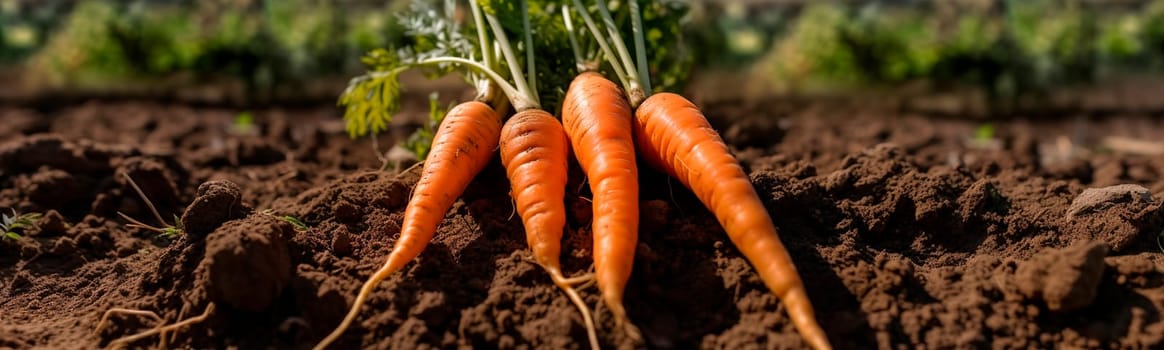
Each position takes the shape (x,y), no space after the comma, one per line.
(891,46)
(162,42)
(974,51)
(812,51)
(24,26)
(984,138)
(243,124)
(671,57)
(1057,37)
(14,225)
(984,132)
(736,34)
(306,30)
(1122,40)
(83,43)
(265,44)
(1004,47)
(1120,37)
(1152,33)
(420,141)
(19,36)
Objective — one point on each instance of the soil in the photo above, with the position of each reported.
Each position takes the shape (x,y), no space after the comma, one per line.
(908,232)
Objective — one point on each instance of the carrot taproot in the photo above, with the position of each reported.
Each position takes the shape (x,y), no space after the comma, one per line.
(461,147)
(672,135)
(534,152)
(597,118)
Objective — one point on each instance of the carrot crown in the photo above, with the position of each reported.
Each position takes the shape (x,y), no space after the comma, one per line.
(632,76)
(441,46)
(632,71)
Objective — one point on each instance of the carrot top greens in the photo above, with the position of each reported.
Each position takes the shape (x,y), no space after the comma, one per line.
(430,31)
(654,29)
(438,40)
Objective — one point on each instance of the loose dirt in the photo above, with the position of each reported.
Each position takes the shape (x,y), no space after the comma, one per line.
(907,230)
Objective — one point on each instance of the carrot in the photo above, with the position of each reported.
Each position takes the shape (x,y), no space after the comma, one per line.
(462,146)
(598,120)
(673,135)
(597,116)
(534,152)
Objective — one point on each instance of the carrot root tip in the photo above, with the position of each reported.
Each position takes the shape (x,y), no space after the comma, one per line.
(622,321)
(567,286)
(362,297)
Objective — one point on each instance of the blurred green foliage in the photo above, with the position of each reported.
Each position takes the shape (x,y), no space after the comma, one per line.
(420,142)
(1005,47)
(264,43)
(24,29)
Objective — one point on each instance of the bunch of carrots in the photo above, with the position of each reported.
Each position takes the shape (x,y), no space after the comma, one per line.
(608,127)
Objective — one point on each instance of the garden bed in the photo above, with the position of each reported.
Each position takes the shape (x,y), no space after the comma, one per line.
(908,231)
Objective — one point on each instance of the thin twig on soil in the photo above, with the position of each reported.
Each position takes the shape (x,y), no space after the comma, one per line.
(161,329)
(410,169)
(117,310)
(144,198)
(169,231)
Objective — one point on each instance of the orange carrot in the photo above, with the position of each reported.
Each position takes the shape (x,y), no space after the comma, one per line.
(674,136)
(597,118)
(461,148)
(534,151)
(671,134)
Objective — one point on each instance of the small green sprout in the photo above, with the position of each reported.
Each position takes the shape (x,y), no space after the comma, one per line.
(299,224)
(984,138)
(173,231)
(294,221)
(984,132)
(17,222)
(243,124)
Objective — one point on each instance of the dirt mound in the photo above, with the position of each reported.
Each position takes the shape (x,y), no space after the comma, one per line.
(1065,280)
(247,265)
(907,232)
(217,202)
